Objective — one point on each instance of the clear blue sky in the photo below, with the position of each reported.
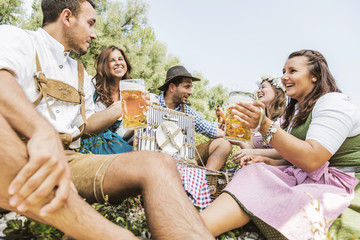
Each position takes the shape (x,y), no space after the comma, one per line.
(233,42)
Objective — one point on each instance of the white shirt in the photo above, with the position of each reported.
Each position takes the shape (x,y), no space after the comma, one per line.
(17,54)
(334,118)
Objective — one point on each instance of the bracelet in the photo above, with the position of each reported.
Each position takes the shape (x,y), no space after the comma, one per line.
(268,136)
(261,119)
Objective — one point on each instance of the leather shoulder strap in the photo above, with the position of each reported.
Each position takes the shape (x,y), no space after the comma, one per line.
(82,98)
(44,85)
(37,76)
(41,84)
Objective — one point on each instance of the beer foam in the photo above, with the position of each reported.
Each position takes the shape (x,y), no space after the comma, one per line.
(240,98)
(127,86)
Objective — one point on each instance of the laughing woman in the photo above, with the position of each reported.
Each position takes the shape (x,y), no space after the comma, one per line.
(112,66)
(321,141)
(271,93)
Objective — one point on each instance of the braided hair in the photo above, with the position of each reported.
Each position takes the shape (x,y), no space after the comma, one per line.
(325,83)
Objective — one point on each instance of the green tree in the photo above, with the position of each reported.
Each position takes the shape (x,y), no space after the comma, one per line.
(125,24)
(205,100)
(34,21)
(218,97)
(10,11)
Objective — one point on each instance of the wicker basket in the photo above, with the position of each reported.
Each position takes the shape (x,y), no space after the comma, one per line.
(217,180)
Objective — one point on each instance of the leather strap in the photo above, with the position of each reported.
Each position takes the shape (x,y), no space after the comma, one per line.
(63,92)
(171,137)
(82,99)
(40,80)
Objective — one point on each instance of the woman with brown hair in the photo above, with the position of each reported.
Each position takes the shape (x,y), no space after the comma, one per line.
(300,196)
(112,66)
(272,94)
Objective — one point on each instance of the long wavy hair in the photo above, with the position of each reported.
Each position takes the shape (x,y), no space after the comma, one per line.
(277,105)
(103,77)
(325,83)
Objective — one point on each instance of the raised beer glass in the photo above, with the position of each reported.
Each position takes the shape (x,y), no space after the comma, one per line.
(133,102)
(234,130)
(154,99)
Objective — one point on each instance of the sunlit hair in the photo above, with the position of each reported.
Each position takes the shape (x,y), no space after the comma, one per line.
(52,9)
(277,106)
(103,77)
(325,83)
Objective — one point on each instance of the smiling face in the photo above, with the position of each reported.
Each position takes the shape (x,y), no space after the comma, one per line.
(117,65)
(183,91)
(79,35)
(266,93)
(297,79)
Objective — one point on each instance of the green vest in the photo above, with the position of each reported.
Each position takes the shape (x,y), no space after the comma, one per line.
(348,154)
(347,225)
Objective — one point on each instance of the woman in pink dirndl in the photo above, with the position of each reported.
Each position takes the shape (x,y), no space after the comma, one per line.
(300,195)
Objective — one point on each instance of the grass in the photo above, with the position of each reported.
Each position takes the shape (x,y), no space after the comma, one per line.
(129,215)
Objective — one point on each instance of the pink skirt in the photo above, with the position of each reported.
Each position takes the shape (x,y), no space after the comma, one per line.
(297,204)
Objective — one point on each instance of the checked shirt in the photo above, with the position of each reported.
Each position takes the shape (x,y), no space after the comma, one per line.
(202,126)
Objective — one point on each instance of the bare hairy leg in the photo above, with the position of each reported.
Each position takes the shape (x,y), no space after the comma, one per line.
(76,217)
(219,151)
(169,212)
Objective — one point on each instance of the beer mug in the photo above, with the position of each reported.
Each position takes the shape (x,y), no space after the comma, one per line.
(154,99)
(234,130)
(133,103)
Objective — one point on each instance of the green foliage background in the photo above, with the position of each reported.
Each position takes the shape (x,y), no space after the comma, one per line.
(125,25)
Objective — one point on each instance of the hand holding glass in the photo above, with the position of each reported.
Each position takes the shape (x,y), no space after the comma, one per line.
(133,103)
(234,130)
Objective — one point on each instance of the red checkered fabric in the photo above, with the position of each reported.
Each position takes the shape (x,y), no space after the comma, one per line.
(195,185)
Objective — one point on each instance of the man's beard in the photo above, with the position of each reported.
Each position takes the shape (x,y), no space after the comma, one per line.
(76,48)
(73,46)
(178,100)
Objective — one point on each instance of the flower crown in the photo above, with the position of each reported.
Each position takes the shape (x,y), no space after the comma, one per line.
(275,81)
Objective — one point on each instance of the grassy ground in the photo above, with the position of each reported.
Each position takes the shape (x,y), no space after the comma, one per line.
(130,215)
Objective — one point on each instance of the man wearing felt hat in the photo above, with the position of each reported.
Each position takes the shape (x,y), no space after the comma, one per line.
(176,91)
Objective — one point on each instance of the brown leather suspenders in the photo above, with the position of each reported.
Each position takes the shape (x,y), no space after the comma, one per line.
(63,92)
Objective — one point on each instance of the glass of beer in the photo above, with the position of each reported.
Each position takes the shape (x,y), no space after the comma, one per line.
(154,99)
(133,103)
(234,130)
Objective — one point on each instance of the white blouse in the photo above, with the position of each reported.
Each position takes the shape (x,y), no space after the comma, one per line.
(334,118)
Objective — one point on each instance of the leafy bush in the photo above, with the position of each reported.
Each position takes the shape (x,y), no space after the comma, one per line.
(29,229)
(129,214)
